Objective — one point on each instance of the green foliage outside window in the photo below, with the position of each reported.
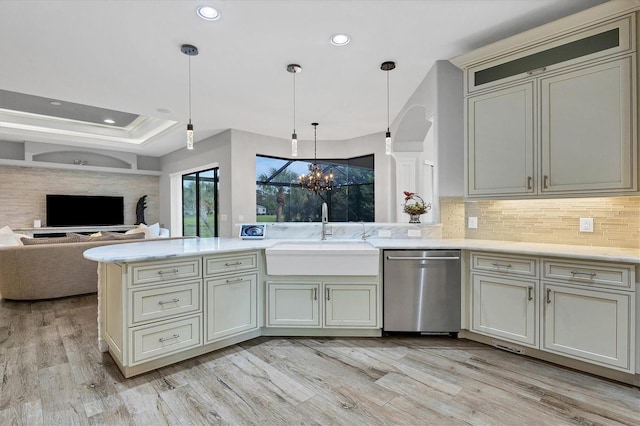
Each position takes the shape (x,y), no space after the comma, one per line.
(279,197)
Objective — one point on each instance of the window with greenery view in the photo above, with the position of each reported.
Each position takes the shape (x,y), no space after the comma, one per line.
(200,203)
(279,197)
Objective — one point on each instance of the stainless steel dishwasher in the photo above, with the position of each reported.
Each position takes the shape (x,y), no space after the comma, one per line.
(422,291)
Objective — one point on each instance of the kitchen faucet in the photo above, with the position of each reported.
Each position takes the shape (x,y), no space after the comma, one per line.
(325,220)
(364,234)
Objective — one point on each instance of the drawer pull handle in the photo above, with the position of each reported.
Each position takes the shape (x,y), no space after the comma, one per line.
(529,180)
(530,293)
(235,280)
(164,302)
(232,264)
(172,271)
(328,294)
(591,275)
(546,182)
(501,265)
(164,339)
(315,294)
(548,295)
(537,71)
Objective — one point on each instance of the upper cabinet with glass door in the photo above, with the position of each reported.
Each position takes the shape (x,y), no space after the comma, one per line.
(554,111)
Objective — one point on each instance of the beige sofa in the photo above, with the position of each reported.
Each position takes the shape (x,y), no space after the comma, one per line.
(49,271)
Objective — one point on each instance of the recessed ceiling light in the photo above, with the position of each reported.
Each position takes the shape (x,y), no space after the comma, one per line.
(340,39)
(55,103)
(208,13)
(109,121)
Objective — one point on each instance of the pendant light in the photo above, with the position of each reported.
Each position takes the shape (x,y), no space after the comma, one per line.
(189,50)
(316,180)
(388,66)
(294,69)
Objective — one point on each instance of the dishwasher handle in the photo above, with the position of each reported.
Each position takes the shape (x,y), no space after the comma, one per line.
(423,258)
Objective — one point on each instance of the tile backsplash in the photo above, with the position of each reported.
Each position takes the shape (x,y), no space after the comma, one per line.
(616,220)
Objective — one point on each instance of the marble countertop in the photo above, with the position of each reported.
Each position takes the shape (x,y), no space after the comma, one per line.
(167,249)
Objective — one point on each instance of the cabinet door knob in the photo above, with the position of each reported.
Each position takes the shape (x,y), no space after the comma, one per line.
(530,293)
(548,295)
(315,294)
(546,181)
(529,182)
(328,294)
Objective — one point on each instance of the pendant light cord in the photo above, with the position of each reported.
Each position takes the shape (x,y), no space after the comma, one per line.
(388,101)
(315,158)
(189,89)
(294,102)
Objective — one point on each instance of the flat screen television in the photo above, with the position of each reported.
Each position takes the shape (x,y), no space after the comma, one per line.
(84,210)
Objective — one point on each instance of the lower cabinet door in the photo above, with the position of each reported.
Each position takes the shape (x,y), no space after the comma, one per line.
(505,307)
(350,305)
(589,325)
(293,304)
(231,306)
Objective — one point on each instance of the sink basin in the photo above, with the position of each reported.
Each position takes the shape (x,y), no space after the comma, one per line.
(323,258)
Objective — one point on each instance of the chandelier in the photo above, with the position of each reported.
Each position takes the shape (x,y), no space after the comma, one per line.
(316,180)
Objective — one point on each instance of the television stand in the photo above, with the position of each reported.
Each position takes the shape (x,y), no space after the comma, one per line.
(52,230)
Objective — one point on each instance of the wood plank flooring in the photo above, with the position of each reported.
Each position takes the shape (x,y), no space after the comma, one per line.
(53,374)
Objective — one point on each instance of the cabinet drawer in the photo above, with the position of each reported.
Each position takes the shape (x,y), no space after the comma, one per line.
(524,266)
(592,273)
(164,339)
(164,302)
(222,264)
(165,271)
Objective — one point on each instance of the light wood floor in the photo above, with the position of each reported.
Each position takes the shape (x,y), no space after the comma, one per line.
(52,373)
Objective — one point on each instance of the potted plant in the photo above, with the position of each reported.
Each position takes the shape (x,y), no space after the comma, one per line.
(414,206)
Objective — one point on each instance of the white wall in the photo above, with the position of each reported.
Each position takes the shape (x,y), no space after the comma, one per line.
(215,149)
(235,151)
(438,96)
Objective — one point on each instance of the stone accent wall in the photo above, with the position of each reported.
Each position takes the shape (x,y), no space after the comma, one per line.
(23,191)
(616,220)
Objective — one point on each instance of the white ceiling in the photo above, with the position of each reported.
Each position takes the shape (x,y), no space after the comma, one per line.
(125,55)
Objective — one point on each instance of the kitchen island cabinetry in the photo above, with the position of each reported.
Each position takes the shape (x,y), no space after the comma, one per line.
(328,303)
(156,313)
(231,295)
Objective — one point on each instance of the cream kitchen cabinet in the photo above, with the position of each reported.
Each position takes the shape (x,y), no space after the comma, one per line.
(322,304)
(500,142)
(586,129)
(152,311)
(588,311)
(577,309)
(350,305)
(231,294)
(231,305)
(557,117)
(586,324)
(155,313)
(504,294)
(292,304)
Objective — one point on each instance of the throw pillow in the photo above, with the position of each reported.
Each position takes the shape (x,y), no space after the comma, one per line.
(8,237)
(38,241)
(154,230)
(120,236)
(78,238)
